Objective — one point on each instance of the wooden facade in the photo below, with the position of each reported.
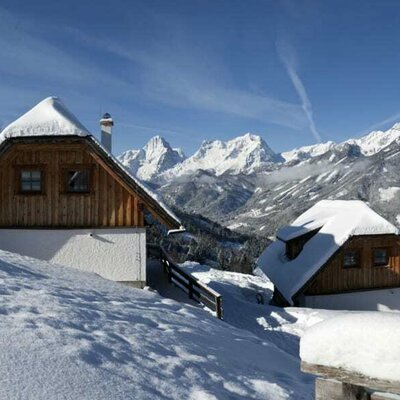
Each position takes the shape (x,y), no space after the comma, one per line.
(335,277)
(113,198)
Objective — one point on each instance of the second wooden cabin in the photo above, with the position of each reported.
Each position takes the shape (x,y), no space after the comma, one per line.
(337,255)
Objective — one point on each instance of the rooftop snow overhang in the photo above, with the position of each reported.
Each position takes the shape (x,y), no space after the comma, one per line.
(291,232)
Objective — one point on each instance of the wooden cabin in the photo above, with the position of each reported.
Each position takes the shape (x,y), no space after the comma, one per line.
(64,198)
(337,255)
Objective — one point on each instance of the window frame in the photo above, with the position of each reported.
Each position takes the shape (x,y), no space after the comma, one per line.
(18,179)
(64,179)
(388,255)
(358,263)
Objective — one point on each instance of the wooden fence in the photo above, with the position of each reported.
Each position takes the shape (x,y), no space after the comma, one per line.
(195,289)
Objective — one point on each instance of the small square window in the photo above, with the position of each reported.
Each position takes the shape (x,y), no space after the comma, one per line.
(351,259)
(381,257)
(31,181)
(77,181)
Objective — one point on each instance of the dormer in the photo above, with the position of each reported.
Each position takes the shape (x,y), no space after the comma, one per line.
(295,246)
(295,237)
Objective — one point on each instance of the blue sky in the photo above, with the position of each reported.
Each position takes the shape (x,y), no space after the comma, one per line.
(295,72)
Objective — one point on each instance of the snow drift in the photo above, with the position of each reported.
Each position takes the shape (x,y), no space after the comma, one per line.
(72,335)
(367,343)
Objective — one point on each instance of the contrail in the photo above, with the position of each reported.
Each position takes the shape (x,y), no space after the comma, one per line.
(286,55)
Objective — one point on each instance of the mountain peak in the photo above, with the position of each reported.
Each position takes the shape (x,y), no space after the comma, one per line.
(49,117)
(251,136)
(243,154)
(156,145)
(158,140)
(154,158)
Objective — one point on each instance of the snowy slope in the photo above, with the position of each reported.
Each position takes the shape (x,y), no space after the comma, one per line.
(281,327)
(65,334)
(49,117)
(156,157)
(327,337)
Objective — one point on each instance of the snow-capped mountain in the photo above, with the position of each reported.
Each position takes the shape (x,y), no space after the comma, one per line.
(377,140)
(369,144)
(244,154)
(154,158)
(306,152)
(244,185)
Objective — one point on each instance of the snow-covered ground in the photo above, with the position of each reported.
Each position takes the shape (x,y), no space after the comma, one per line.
(274,326)
(281,326)
(67,334)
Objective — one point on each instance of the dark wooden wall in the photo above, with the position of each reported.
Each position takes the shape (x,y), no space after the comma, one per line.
(109,204)
(334,278)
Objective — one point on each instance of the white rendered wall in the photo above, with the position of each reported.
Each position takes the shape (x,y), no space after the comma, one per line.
(115,254)
(370,300)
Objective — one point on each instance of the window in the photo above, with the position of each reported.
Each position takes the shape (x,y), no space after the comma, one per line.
(380,257)
(31,181)
(77,181)
(351,259)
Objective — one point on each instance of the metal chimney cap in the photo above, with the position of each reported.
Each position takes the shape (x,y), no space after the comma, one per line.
(106,120)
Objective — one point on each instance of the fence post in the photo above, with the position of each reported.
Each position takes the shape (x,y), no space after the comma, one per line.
(330,389)
(190,289)
(218,304)
(169,271)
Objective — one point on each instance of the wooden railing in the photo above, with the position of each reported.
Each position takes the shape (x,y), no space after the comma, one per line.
(195,289)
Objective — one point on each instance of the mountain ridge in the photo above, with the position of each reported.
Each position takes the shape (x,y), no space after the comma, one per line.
(269,192)
(244,154)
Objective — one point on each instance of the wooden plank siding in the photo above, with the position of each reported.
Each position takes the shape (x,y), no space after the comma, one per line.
(335,278)
(109,203)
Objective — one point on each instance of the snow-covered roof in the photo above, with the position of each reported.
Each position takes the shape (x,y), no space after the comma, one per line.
(293,231)
(337,221)
(52,118)
(49,117)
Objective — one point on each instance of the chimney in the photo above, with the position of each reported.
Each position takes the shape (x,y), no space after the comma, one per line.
(106,124)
